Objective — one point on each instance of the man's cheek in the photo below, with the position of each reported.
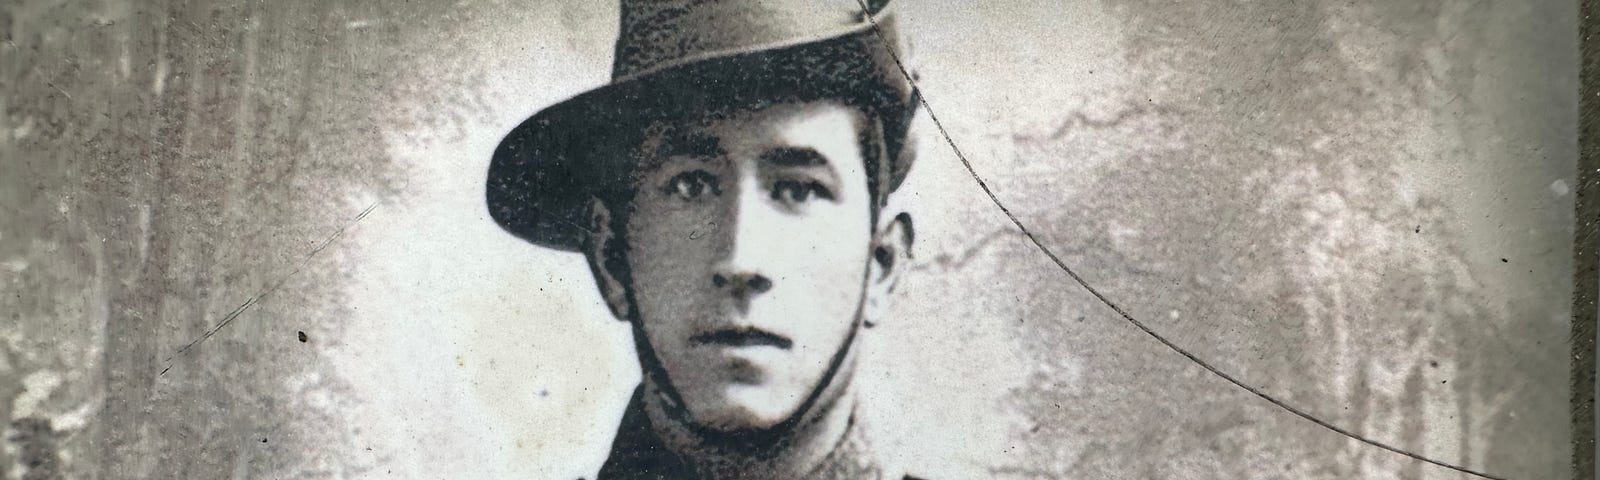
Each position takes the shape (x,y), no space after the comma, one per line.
(828,250)
(665,286)
(825,271)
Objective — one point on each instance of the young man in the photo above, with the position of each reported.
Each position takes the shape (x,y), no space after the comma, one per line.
(729,190)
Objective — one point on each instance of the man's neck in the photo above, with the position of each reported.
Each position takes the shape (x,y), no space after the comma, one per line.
(825,441)
(805,449)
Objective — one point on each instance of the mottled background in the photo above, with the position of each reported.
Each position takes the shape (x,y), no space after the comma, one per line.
(1361,207)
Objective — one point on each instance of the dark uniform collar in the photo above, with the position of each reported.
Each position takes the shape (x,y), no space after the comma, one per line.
(639,454)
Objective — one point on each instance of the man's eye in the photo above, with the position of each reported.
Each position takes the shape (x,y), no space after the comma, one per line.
(791,191)
(691,185)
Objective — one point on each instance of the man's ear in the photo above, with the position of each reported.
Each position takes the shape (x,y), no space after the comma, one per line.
(891,254)
(606,261)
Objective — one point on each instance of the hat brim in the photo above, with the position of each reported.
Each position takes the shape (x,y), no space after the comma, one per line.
(545,171)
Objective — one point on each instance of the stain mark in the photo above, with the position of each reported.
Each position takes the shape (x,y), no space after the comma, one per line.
(983,185)
(300,335)
(252,301)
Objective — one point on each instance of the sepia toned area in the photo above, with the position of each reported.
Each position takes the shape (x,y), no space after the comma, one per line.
(1361,208)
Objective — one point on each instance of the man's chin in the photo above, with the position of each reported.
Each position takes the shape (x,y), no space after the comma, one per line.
(744,409)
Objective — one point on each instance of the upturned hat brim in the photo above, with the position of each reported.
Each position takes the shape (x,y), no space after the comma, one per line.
(546,169)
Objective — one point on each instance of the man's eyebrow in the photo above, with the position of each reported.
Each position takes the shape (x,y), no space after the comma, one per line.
(794,157)
(692,144)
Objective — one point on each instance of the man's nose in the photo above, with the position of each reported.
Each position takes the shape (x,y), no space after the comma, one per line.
(754,236)
(742,283)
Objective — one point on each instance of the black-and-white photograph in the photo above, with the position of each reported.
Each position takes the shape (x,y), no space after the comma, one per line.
(797,239)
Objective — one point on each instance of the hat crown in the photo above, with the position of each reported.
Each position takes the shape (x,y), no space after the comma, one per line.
(680,54)
(657,34)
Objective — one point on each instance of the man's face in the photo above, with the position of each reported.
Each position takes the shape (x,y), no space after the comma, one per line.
(748,244)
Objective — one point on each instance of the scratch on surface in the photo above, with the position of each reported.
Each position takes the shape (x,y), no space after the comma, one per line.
(58,89)
(1080,120)
(561,218)
(945,261)
(253,300)
(983,185)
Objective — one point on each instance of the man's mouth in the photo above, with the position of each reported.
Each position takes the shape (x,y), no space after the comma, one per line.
(742,337)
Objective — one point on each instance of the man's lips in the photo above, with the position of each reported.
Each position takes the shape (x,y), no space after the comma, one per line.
(742,337)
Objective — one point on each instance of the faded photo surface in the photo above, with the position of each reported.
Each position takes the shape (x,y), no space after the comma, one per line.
(781,239)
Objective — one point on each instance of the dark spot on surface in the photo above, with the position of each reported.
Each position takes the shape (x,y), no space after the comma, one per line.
(1433,363)
(263,439)
(1504,261)
(38,447)
(301,336)
(1419,228)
